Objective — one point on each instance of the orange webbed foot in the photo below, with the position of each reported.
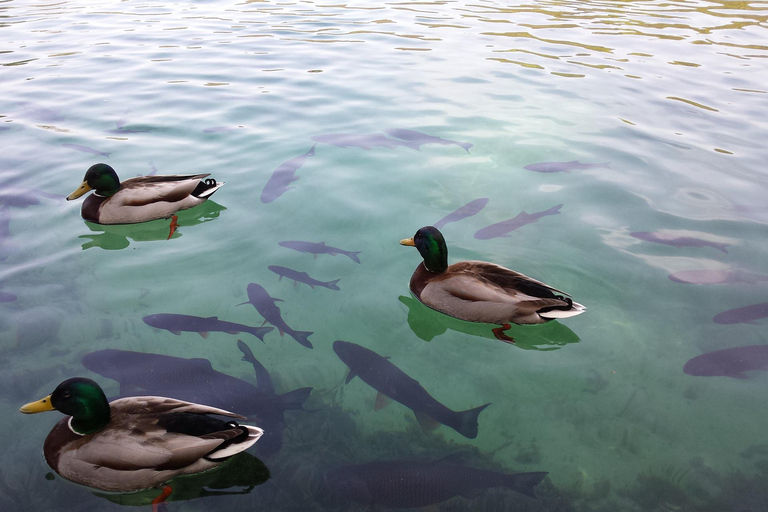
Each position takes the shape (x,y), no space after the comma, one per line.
(174,225)
(157,503)
(501,335)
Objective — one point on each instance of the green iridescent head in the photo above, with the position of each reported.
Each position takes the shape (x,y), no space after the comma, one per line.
(80,398)
(101,178)
(431,245)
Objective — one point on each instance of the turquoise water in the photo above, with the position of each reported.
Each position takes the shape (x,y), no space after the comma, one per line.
(671,95)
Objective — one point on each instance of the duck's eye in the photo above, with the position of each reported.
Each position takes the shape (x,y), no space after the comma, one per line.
(66,394)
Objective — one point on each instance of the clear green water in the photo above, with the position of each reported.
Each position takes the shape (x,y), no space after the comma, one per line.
(672,94)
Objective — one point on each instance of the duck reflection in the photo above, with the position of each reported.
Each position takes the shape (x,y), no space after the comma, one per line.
(113,237)
(243,470)
(427,323)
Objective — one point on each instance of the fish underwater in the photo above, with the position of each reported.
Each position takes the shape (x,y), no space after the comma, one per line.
(302,277)
(195,380)
(743,315)
(422,138)
(86,149)
(265,305)
(389,380)
(468,210)
(7,297)
(365,141)
(573,165)
(677,241)
(188,323)
(716,277)
(729,362)
(318,248)
(283,176)
(505,226)
(420,483)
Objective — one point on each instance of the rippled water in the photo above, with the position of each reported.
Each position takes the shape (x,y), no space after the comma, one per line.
(670,96)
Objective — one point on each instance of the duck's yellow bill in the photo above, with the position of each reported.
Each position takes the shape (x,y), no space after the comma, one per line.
(82,189)
(408,241)
(39,406)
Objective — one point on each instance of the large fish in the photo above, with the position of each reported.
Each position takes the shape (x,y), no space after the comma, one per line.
(573,165)
(419,483)
(318,248)
(716,277)
(188,323)
(273,410)
(365,141)
(195,380)
(283,176)
(265,305)
(422,138)
(505,226)
(302,277)
(391,381)
(677,241)
(743,315)
(468,210)
(729,362)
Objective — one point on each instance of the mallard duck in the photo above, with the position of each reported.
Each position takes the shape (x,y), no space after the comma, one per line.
(479,291)
(139,199)
(137,442)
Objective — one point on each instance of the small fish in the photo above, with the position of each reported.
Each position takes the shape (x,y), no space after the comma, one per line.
(188,323)
(302,277)
(265,305)
(415,484)
(85,149)
(365,141)
(422,138)
(174,225)
(283,176)
(391,381)
(468,210)
(505,226)
(564,166)
(743,315)
(318,248)
(729,362)
(716,277)
(677,241)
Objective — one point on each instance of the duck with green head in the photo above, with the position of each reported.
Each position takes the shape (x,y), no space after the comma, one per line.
(135,443)
(139,199)
(478,291)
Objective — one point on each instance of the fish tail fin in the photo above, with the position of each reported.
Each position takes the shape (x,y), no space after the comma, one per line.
(466,145)
(332,284)
(353,256)
(554,210)
(468,421)
(259,332)
(525,482)
(721,247)
(296,398)
(303,338)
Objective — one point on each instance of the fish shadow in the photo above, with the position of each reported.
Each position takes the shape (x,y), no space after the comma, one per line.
(426,323)
(113,237)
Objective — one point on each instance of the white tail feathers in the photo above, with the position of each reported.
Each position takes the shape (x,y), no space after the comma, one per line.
(254,433)
(577,309)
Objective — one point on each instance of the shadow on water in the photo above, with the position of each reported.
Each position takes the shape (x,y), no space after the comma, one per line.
(427,323)
(113,237)
(243,470)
